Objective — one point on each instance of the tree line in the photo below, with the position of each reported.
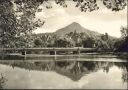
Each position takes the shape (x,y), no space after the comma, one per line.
(122,44)
(74,39)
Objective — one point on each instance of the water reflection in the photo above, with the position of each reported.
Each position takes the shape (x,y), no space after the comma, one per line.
(74,70)
(2,81)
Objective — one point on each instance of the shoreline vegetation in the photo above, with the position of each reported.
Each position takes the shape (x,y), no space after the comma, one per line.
(44,56)
(123,55)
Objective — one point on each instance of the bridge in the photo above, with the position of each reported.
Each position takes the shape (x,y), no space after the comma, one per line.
(51,51)
(48,49)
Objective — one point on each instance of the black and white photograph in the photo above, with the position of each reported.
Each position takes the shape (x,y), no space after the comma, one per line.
(64,44)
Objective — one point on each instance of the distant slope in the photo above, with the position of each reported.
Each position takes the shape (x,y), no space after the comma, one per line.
(75,27)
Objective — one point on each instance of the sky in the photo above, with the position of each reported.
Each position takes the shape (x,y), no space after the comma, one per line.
(102,20)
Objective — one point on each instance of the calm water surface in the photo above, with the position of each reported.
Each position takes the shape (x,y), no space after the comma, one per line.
(80,73)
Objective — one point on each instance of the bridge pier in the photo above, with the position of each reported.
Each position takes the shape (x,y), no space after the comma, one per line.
(78,51)
(53,52)
(3,55)
(2,52)
(24,53)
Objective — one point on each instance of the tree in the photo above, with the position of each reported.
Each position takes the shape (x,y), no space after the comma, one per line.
(117,44)
(76,38)
(106,42)
(17,17)
(38,43)
(104,37)
(124,32)
(88,43)
(8,23)
(91,5)
(62,42)
(123,43)
(17,23)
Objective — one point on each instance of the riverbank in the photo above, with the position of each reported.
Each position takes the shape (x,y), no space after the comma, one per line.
(123,55)
(17,56)
(55,57)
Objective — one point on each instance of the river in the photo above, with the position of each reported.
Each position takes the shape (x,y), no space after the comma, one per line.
(69,73)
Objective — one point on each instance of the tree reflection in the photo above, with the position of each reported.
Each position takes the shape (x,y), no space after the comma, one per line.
(71,69)
(2,81)
(124,67)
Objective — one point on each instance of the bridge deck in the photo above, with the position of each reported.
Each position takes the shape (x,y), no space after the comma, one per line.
(47,49)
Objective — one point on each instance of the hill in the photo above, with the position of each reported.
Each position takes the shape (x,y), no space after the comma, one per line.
(76,27)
